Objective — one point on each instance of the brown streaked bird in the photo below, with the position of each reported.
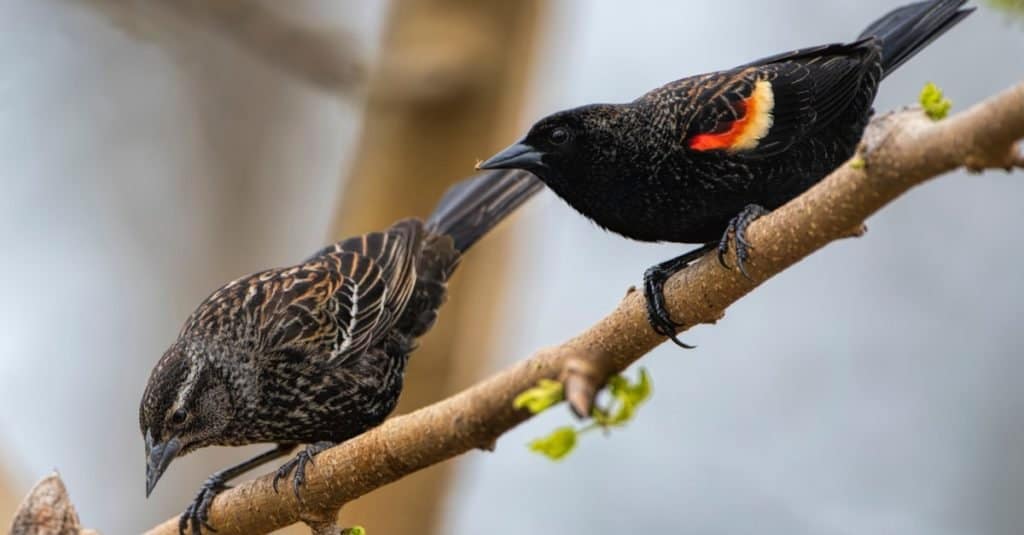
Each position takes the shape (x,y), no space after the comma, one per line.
(313,353)
(701,158)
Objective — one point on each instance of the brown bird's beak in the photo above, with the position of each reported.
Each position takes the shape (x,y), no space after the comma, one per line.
(158,458)
(517,156)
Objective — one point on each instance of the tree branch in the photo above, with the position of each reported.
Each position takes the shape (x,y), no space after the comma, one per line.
(323,58)
(900,151)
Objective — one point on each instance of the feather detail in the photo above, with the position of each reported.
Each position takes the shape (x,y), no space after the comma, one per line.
(754,122)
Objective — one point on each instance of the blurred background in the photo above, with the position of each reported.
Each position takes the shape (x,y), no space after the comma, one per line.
(151,151)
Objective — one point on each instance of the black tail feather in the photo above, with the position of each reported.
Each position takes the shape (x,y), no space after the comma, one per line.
(904,31)
(474,206)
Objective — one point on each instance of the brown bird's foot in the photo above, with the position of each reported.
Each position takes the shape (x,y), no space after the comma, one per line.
(654,290)
(198,512)
(298,464)
(738,228)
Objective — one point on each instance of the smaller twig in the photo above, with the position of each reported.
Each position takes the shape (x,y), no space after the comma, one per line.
(324,527)
(583,376)
(585,373)
(1016,157)
(856,232)
(47,510)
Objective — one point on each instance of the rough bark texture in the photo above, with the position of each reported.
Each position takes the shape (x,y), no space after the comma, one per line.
(901,150)
(47,510)
(449,72)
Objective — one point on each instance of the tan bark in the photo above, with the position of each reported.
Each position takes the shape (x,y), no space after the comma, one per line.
(900,151)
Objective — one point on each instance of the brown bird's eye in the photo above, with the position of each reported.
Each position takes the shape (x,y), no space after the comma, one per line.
(559,136)
(179,417)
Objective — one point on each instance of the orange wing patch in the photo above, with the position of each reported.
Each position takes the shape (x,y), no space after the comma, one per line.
(744,133)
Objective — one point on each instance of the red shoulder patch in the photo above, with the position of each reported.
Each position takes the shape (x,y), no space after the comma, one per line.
(744,133)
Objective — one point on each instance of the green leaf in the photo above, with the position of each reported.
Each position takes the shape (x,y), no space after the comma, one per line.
(935,105)
(627,397)
(557,445)
(1011,7)
(639,392)
(544,395)
(857,162)
(354,530)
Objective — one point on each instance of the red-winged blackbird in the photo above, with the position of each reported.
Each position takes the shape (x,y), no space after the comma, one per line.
(704,156)
(313,353)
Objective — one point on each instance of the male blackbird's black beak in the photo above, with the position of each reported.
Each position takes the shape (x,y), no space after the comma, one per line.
(160,456)
(517,156)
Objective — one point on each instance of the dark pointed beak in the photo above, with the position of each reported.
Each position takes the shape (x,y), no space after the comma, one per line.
(160,456)
(517,156)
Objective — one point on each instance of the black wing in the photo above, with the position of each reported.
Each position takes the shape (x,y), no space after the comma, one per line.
(764,108)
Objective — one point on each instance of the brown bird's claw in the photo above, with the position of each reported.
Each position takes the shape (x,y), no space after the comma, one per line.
(654,290)
(738,228)
(198,512)
(298,464)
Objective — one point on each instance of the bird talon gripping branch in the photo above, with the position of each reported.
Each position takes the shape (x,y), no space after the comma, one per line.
(298,465)
(738,230)
(679,162)
(654,291)
(197,514)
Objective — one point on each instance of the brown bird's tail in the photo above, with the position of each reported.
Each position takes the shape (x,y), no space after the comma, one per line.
(904,31)
(474,206)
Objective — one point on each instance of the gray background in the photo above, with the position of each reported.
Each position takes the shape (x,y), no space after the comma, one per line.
(873,388)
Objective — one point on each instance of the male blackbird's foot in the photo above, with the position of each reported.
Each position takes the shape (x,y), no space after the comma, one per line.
(657,315)
(738,227)
(198,512)
(654,290)
(298,463)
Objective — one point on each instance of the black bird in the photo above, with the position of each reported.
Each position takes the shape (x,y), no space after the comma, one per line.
(313,353)
(702,157)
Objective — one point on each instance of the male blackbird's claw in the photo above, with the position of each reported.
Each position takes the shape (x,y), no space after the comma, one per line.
(298,463)
(198,512)
(654,290)
(738,228)
(723,248)
(658,316)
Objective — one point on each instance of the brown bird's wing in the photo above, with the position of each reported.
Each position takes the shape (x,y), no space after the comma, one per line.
(334,306)
(763,108)
(395,251)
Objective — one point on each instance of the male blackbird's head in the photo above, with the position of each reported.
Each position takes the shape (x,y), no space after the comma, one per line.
(186,406)
(569,148)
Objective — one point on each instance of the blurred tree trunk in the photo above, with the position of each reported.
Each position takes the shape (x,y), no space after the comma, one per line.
(8,501)
(451,80)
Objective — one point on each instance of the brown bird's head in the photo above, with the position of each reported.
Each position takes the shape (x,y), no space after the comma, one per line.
(186,405)
(571,148)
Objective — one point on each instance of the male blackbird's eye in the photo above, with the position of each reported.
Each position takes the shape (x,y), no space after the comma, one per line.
(179,417)
(559,136)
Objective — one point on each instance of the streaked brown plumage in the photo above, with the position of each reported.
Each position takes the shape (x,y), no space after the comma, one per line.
(313,353)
